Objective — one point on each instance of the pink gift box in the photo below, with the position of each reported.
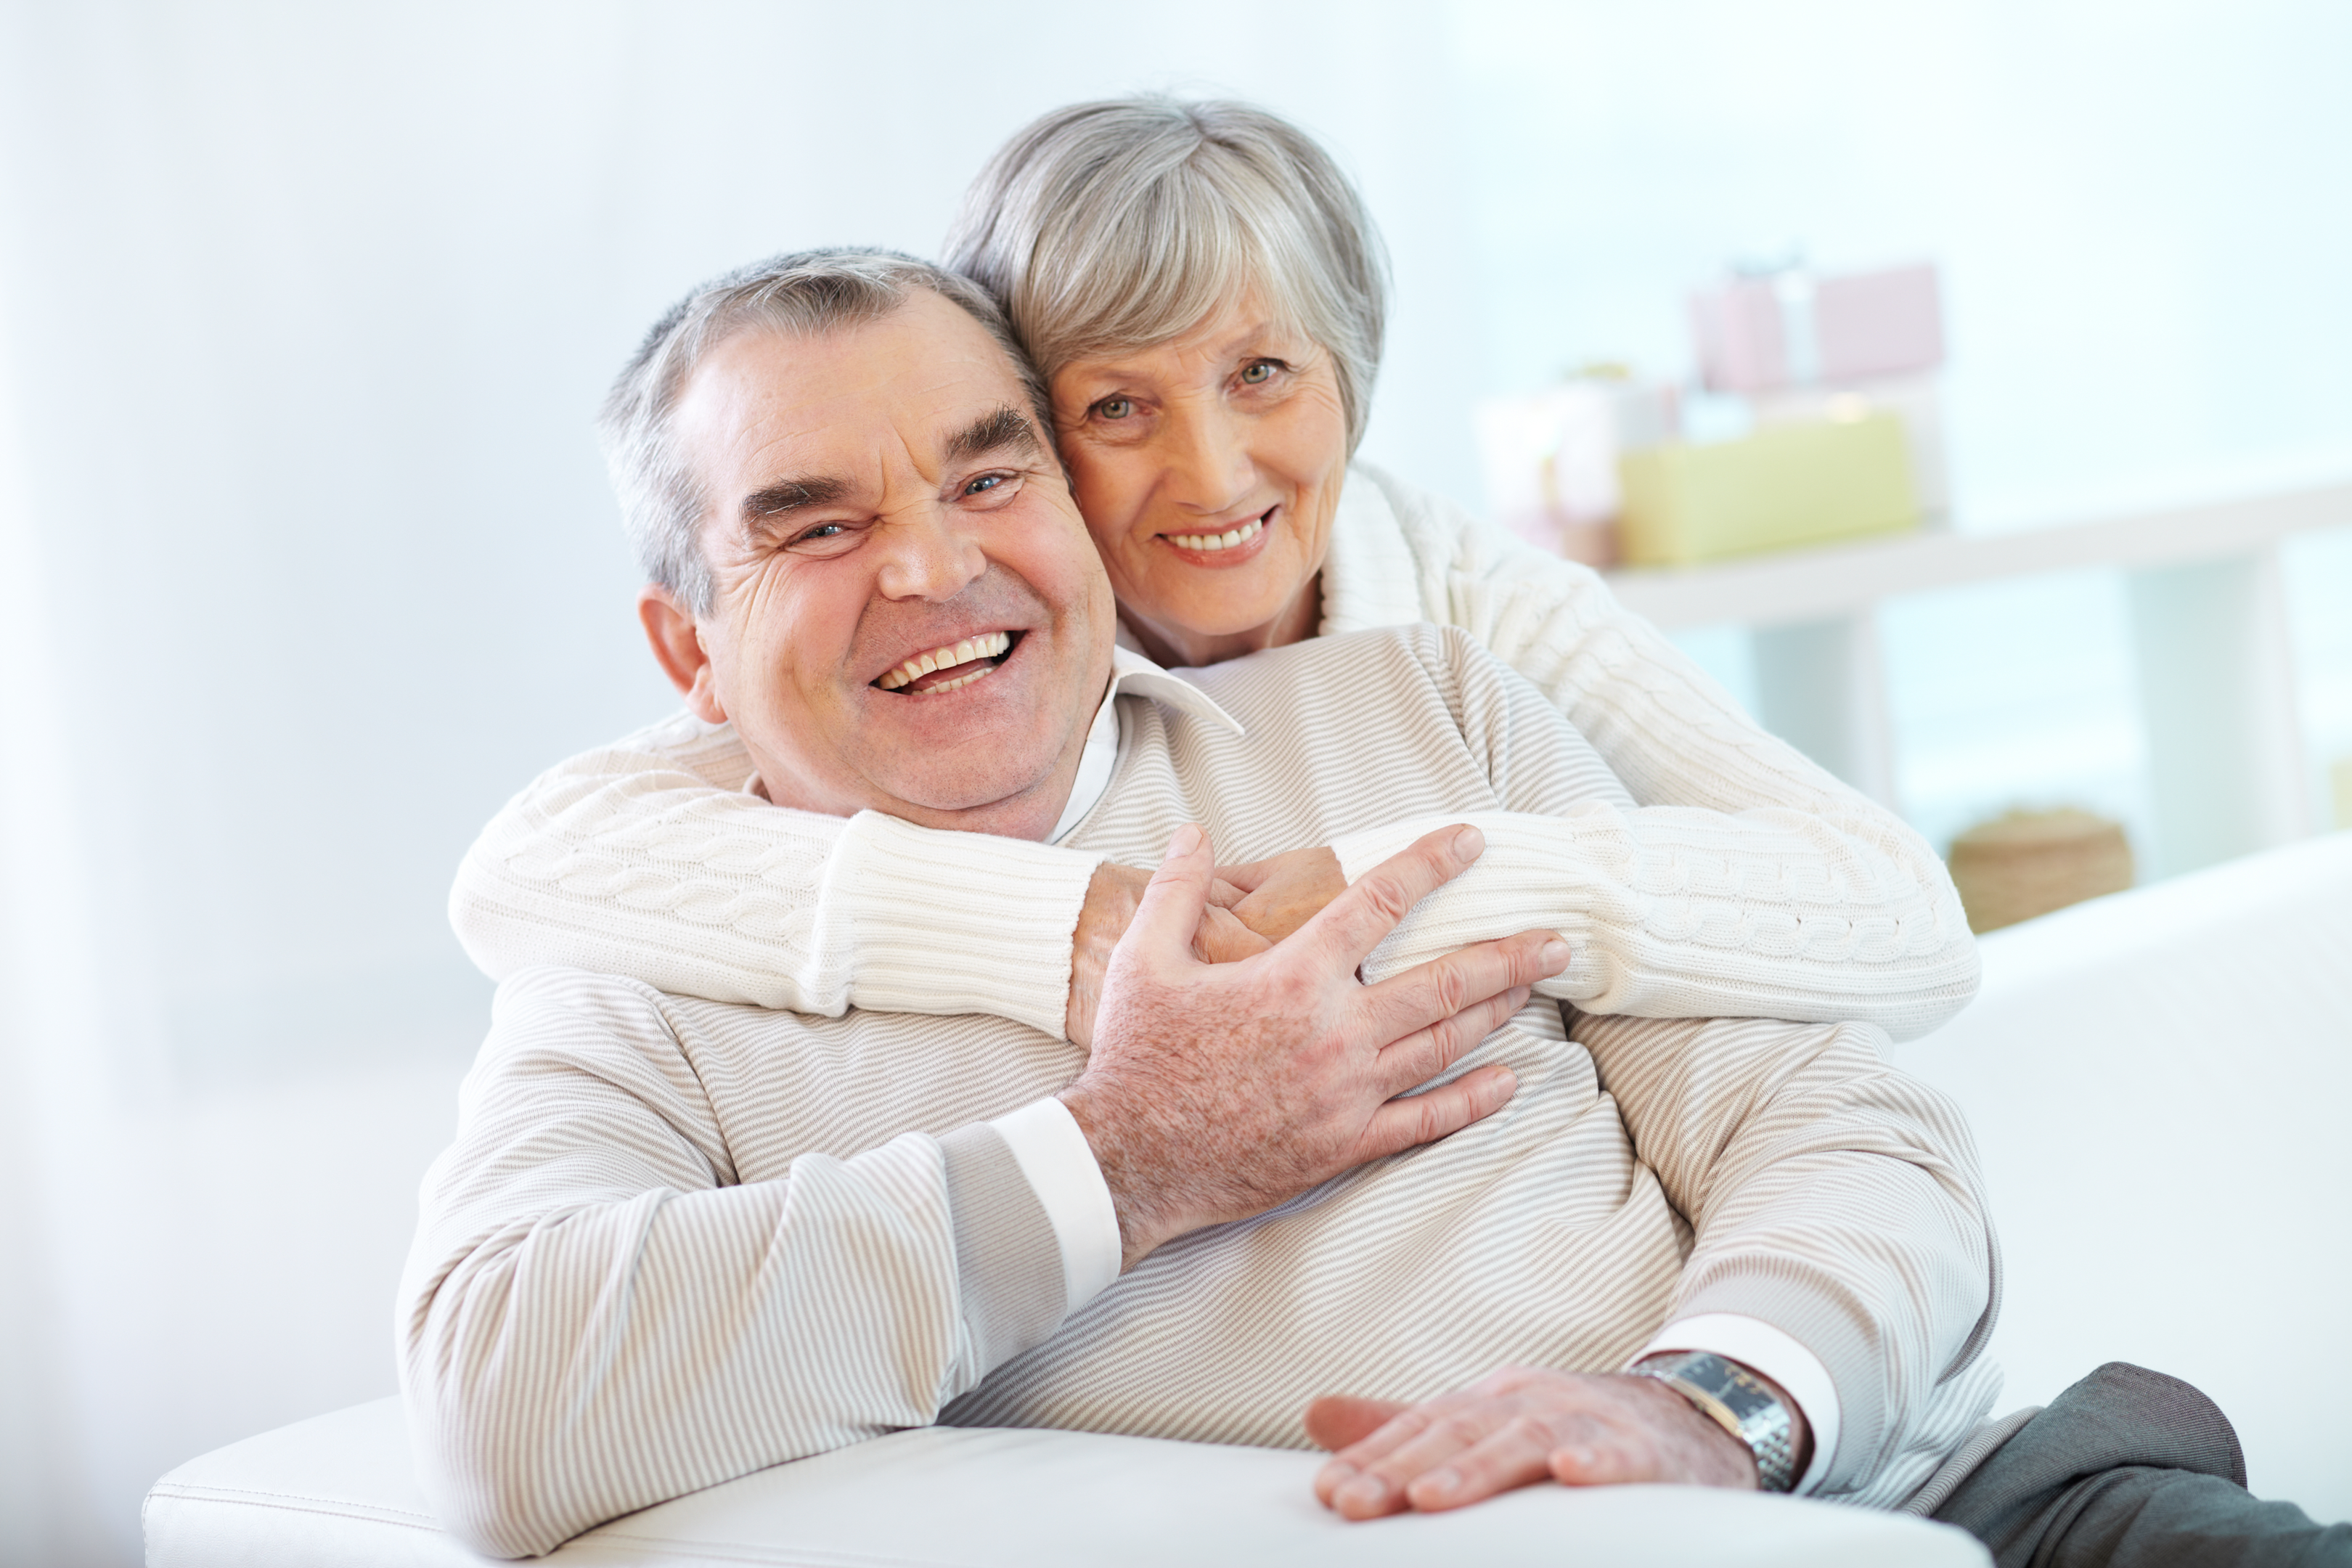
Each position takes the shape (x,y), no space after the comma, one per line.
(1793,329)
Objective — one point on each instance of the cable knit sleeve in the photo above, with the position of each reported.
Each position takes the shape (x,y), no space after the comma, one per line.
(646,859)
(1736,831)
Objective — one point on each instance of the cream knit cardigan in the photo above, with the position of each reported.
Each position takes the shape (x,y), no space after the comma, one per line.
(1747,882)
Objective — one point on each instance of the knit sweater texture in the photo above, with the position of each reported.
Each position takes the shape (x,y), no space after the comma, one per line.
(1743,881)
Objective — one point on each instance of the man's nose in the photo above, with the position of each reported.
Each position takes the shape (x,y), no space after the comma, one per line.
(1207,449)
(928,556)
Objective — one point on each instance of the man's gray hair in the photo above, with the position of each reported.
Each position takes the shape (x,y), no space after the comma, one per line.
(1123,223)
(805,294)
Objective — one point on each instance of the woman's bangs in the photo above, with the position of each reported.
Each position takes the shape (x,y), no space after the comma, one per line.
(1163,265)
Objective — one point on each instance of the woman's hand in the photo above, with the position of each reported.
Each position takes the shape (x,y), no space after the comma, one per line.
(1250,908)
(1276,896)
(1112,897)
(1516,1426)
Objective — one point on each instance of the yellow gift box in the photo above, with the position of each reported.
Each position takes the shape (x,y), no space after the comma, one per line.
(1785,485)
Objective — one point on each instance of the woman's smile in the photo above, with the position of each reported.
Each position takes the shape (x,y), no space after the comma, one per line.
(1217,549)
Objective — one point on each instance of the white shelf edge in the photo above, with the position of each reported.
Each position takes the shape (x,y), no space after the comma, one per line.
(1816,585)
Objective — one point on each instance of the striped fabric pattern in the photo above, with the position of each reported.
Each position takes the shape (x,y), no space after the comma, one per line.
(1744,881)
(678,1240)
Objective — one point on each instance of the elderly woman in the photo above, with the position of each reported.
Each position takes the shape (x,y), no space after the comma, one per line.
(1204,292)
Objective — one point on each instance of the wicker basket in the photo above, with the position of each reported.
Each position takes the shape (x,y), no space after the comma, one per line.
(2027,863)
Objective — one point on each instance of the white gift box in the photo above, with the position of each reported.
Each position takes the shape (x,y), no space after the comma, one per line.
(1551,459)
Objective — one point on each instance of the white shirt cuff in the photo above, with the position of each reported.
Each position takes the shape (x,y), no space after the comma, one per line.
(1760,1347)
(1059,1163)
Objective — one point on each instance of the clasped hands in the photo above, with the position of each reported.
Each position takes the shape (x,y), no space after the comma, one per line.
(1248,908)
(1190,1030)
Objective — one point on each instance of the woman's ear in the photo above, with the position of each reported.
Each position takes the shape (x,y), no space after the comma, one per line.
(678,647)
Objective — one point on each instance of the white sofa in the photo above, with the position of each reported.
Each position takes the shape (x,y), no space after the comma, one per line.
(2159,1083)
(2161,1088)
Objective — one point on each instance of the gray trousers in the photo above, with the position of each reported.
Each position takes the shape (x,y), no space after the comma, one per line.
(2130,1469)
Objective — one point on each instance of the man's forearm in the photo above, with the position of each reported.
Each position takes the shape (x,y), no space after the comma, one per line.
(611,1354)
(1830,1196)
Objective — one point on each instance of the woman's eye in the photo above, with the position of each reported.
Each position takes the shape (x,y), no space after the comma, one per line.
(1115,407)
(1257,372)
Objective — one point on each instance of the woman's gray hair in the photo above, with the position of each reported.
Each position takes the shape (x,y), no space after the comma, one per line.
(805,294)
(1126,223)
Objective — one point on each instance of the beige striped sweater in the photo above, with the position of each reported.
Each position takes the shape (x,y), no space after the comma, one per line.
(678,1240)
(1740,881)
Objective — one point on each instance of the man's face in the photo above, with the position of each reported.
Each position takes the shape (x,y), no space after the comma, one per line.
(878,496)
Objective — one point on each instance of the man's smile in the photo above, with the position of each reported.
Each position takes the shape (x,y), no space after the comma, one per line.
(945,669)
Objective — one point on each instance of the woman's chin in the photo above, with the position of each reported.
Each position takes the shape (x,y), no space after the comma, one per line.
(1203,626)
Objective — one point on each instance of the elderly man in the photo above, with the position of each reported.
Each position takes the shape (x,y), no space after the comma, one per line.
(678,1240)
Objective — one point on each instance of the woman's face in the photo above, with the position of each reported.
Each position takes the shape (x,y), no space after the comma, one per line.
(1208,469)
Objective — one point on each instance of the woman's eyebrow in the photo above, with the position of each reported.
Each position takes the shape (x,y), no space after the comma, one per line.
(1005,429)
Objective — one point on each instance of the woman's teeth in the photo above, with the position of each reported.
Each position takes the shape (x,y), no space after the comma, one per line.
(1224,541)
(989,645)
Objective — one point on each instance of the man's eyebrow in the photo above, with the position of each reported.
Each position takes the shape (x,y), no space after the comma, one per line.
(786,497)
(1005,430)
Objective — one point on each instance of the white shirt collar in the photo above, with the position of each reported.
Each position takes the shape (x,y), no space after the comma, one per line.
(1131,673)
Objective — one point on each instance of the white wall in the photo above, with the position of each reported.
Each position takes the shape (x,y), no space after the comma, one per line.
(305,313)
(309,562)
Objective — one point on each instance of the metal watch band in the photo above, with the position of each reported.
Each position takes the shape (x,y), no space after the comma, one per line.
(1730,1396)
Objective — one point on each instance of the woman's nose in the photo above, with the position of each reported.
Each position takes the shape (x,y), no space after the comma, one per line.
(1209,465)
(928,556)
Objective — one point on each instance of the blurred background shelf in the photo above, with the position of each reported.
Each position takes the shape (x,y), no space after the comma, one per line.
(2226,767)
(1801,585)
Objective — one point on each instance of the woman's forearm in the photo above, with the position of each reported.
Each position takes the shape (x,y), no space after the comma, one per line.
(1686,753)
(648,859)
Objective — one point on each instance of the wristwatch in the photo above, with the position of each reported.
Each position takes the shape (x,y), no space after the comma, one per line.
(1736,1400)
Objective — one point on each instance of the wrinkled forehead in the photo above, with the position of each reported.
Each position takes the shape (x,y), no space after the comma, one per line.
(905,388)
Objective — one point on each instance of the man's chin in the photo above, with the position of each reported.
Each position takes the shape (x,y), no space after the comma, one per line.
(982,780)
(1010,808)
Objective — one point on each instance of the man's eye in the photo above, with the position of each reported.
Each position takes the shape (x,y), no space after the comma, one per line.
(1257,372)
(822,531)
(983,484)
(1115,407)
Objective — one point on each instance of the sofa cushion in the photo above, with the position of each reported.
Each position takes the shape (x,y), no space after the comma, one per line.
(339,1490)
(2159,1083)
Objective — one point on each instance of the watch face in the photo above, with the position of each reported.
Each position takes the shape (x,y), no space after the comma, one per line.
(1742,1394)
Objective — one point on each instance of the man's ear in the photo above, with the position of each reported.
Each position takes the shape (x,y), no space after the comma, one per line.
(677,649)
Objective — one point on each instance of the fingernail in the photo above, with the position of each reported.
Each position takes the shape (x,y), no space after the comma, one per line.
(1442,1481)
(1469,843)
(1183,841)
(1366,1492)
(1554,956)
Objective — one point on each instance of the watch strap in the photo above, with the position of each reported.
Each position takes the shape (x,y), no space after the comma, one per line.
(1736,1400)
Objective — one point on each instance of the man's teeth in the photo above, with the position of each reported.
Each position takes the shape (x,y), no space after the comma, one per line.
(988,645)
(1224,541)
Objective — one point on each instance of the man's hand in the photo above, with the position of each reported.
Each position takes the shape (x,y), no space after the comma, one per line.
(1112,898)
(1216,1092)
(1516,1426)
